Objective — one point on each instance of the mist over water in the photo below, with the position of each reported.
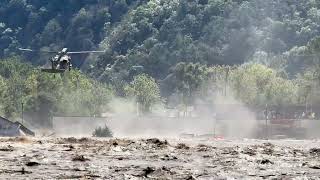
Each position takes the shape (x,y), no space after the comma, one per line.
(227,116)
(237,120)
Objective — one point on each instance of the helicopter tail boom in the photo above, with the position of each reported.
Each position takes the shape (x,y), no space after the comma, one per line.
(85,52)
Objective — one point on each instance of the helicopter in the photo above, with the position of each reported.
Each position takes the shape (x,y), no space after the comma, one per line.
(61,62)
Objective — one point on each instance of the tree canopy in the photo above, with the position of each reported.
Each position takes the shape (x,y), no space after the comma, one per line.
(261,52)
(45,95)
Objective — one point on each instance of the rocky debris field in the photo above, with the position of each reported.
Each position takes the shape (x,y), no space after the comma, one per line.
(86,158)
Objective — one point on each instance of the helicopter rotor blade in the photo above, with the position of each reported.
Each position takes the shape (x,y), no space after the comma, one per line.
(85,52)
(21,49)
(306,55)
(41,51)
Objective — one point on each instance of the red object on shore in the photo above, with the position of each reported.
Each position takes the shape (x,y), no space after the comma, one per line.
(218,137)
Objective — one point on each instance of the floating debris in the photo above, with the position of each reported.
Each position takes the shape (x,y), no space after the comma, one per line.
(80,158)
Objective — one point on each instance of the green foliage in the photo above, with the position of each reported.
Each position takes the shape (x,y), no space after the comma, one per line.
(249,80)
(256,84)
(193,48)
(79,25)
(102,132)
(207,32)
(44,95)
(281,92)
(314,45)
(189,78)
(83,96)
(159,34)
(146,91)
(308,87)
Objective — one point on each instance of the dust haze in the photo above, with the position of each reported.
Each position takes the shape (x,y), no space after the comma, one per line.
(201,120)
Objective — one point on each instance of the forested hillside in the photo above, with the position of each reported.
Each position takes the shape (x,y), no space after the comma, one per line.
(159,33)
(262,51)
(78,25)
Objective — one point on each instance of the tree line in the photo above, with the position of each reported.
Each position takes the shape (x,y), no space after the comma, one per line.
(45,95)
(160,52)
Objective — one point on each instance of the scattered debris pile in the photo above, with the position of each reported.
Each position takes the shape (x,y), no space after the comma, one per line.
(104,158)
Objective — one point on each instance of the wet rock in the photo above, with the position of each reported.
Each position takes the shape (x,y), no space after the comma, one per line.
(147,171)
(69,147)
(314,167)
(267,176)
(190,178)
(32,163)
(120,158)
(311,165)
(264,161)
(90,176)
(267,148)
(120,142)
(6,149)
(206,156)
(168,157)
(164,168)
(314,151)
(69,140)
(203,148)
(297,152)
(249,151)
(227,163)
(268,151)
(83,140)
(115,143)
(157,142)
(160,173)
(230,151)
(72,140)
(80,158)
(304,164)
(78,170)
(70,177)
(182,146)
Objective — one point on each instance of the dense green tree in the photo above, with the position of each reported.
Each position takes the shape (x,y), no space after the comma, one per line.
(158,34)
(146,92)
(256,84)
(192,48)
(187,80)
(45,95)
(83,96)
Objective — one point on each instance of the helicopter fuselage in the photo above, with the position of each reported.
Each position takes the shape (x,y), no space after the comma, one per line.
(61,62)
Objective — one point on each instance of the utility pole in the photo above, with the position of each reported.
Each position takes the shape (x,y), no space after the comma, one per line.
(214,124)
(226,81)
(22,112)
(266,117)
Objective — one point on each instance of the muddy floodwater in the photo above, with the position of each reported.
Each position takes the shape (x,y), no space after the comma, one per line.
(86,158)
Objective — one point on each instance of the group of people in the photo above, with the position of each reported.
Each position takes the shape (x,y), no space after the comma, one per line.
(308,115)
